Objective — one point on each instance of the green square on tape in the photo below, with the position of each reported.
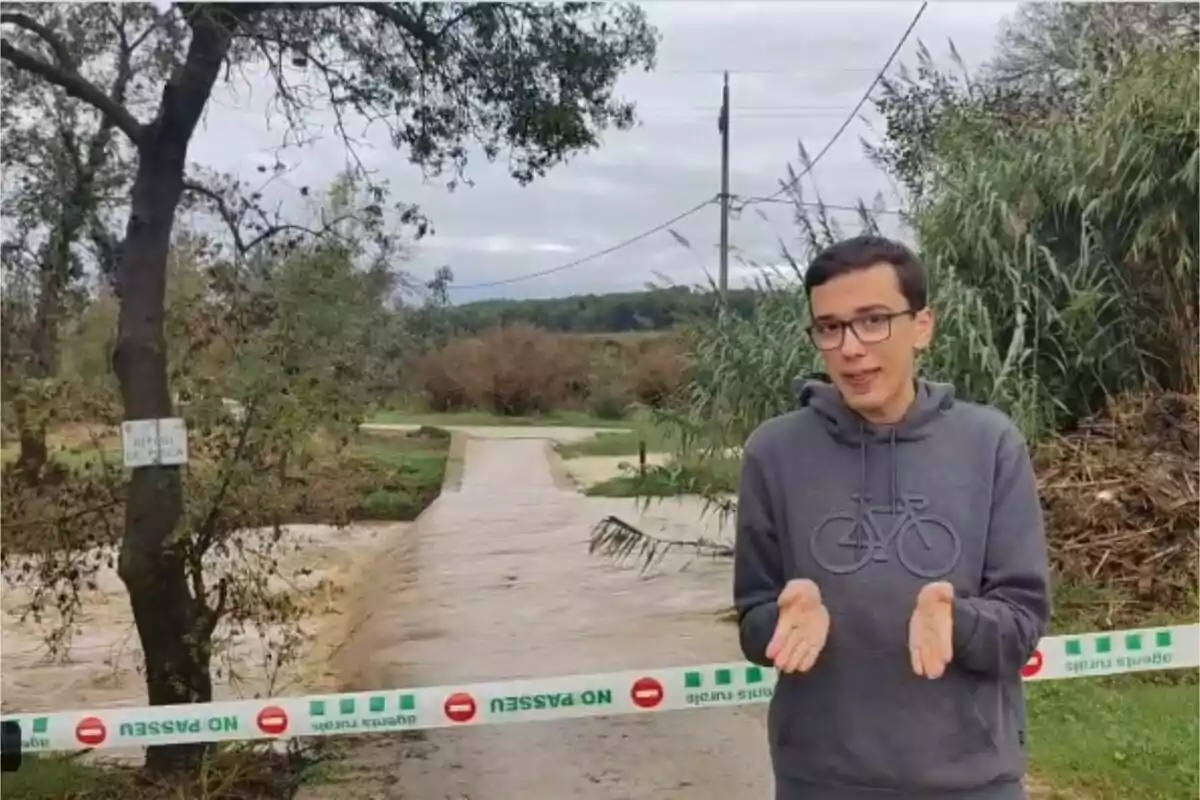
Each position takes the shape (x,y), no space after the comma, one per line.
(316,708)
(724,677)
(346,705)
(1133,641)
(408,702)
(40,724)
(1103,645)
(376,705)
(1074,647)
(692,680)
(1162,639)
(754,674)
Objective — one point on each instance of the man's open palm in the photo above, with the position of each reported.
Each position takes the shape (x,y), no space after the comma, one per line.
(931,630)
(802,628)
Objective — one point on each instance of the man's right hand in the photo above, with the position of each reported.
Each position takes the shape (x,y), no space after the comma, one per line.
(802,628)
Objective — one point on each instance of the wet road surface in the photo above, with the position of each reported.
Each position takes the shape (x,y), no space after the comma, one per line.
(494,582)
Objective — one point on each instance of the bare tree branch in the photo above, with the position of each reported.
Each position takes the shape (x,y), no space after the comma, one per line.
(213,616)
(74,85)
(222,208)
(61,51)
(233,220)
(108,246)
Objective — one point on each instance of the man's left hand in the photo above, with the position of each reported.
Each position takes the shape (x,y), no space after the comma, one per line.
(931,630)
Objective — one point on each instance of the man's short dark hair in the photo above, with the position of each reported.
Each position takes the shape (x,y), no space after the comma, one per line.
(863,252)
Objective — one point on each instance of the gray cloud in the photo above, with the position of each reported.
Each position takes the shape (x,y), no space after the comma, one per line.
(798,68)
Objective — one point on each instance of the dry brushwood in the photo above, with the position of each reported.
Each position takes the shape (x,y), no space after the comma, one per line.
(1122,501)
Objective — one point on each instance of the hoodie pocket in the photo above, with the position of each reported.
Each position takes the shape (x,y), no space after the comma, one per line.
(864,719)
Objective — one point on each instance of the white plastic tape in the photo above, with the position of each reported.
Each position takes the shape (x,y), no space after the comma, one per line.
(568,697)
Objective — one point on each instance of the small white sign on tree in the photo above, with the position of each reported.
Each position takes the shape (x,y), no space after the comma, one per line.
(150,442)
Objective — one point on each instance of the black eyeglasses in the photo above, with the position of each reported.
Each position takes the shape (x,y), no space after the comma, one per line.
(870,328)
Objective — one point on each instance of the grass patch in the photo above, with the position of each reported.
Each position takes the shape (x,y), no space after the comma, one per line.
(1085,607)
(712,476)
(53,777)
(233,773)
(74,446)
(1120,736)
(408,471)
(390,476)
(382,476)
(640,428)
(617,443)
(1116,738)
(483,418)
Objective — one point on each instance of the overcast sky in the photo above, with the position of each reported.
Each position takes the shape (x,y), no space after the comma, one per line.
(797,69)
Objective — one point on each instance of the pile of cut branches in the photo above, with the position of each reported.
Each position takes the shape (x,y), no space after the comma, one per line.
(1122,500)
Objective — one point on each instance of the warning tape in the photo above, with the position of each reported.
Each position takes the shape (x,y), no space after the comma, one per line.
(566,697)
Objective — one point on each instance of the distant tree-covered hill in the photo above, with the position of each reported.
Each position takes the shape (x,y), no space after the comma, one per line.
(658,309)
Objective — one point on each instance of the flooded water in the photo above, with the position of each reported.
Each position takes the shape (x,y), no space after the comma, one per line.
(103,665)
(496,583)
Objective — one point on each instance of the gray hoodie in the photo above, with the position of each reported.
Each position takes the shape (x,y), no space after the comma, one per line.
(872,514)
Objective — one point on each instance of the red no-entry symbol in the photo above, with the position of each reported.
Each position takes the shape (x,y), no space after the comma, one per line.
(460,707)
(646,693)
(1033,666)
(91,731)
(272,720)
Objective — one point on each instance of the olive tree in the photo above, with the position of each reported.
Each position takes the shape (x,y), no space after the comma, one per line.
(533,83)
(64,165)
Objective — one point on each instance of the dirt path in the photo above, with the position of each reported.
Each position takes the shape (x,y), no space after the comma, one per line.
(495,582)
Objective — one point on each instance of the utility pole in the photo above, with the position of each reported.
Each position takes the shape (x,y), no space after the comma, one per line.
(723,125)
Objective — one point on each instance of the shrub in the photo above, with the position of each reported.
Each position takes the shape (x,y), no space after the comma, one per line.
(520,369)
(512,370)
(525,371)
(659,370)
(442,375)
(605,404)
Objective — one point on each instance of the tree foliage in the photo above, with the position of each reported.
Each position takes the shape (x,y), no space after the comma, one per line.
(1057,50)
(272,376)
(655,309)
(1091,219)
(63,165)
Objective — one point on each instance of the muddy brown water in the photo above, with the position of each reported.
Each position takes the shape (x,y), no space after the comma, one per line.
(495,582)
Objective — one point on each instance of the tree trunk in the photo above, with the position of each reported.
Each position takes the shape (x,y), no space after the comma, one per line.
(55,267)
(175,627)
(34,454)
(164,609)
(56,273)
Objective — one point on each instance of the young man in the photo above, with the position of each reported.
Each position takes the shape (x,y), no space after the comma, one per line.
(891,560)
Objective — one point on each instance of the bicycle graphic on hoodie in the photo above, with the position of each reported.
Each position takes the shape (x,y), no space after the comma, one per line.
(926,545)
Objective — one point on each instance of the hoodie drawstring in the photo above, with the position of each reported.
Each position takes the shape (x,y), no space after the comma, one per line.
(895,474)
(862,537)
(862,462)
(894,483)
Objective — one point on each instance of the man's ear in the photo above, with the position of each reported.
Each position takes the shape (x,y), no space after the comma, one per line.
(924,322)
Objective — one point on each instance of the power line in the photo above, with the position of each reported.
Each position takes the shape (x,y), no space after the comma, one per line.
(820,204)
(815,71)
(846,124)
(664,225)
(593,256)
(770,107)
(689,115)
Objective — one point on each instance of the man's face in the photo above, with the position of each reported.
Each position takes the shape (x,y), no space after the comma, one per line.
(874,369)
